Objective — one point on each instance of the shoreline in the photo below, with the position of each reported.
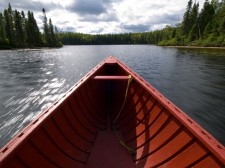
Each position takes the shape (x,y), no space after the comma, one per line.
(195,47)
(181,47)
(30,49)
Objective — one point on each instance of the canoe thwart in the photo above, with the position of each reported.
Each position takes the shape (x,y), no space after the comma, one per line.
(111,77)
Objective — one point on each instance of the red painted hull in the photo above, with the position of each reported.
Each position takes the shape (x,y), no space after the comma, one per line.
(79,130)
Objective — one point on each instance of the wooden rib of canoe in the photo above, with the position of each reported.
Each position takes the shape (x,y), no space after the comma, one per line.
(113,118)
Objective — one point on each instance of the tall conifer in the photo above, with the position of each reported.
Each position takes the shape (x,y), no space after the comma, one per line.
(187,19)
(47,37)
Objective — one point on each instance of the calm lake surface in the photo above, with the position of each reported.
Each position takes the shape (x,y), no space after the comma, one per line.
(30,80)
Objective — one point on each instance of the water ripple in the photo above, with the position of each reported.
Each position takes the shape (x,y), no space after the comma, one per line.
(31,80)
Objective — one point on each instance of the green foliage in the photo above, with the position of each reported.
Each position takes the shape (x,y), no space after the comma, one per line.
(8,26)
(194,32)
(198,28)
(206,17)
(18,31)
(33,33)
(3,40)
(187,18)
(206,28)
(50,37)
(69,38)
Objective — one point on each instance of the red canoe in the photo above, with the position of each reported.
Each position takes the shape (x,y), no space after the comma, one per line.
(113,118)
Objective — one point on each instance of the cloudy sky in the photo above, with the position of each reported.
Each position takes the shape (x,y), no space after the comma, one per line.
(105,16)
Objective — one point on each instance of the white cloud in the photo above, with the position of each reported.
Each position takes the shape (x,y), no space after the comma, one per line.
(156,13)
(105,16)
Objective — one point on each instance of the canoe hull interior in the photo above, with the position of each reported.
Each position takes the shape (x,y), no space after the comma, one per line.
(78,130)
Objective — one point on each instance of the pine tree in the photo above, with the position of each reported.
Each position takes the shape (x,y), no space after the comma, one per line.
(19,31)
(2,28)
(36,31)
(186,24)
(3,40)
(23,25)
(9,27)
(30,38)
(47,37)
(33,33)
(194,31)
(220,20)
(52,34)
(205,18)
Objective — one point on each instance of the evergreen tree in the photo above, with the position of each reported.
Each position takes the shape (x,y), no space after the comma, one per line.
(218,19)
(205,18)
(50,37)
(2,28)
(52,34)
(187,21)
(9,27)
(3,40)
(19,31)
(36,31)
(47,36)
(23,24)
(33,33)
(215,4)
(222,26)
(194,30)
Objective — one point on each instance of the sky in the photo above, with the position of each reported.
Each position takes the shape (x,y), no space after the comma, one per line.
(105,16)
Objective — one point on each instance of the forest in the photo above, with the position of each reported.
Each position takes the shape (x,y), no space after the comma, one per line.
(205,27)
(19,31)
(199,27)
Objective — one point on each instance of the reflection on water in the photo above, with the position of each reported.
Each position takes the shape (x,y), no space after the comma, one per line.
(31,80)
(28,85)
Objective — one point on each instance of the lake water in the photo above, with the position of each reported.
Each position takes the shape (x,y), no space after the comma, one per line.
(30,80)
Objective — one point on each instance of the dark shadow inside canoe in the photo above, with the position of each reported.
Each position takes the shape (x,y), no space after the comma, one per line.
(79,132)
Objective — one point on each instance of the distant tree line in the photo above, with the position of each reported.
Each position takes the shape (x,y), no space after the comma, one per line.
(19,31)
(198,28)
(70,38)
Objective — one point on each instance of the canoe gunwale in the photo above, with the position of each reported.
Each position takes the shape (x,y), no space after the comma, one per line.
(207,139)
(22,136)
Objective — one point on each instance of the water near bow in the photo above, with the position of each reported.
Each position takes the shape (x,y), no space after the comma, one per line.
(30,80)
